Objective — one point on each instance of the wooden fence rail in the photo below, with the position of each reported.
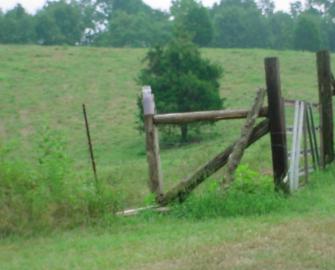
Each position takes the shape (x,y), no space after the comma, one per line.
(189,117)
(274,124)
(183,189)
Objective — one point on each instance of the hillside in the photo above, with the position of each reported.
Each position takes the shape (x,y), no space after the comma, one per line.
(45,87)
(251,227)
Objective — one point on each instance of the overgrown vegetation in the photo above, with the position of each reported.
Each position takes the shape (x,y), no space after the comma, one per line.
(204,227)
(48,196)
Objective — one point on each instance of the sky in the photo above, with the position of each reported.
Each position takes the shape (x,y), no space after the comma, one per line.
(32,5)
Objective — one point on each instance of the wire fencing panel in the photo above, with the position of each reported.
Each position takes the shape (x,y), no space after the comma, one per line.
(304,143)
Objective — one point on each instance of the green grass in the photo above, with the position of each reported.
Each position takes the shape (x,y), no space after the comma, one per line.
(250,228)
(298,235)
(45,86)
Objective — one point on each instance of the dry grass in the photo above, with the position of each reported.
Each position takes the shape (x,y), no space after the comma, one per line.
(297,244)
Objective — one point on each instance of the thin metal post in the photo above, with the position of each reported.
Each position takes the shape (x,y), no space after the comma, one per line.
(90,146)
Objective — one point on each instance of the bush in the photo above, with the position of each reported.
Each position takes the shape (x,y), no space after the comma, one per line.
(181,80)
(250,194)
(49,196)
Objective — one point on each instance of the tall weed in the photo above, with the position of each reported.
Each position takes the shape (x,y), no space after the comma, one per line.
(250,194)
(50,195)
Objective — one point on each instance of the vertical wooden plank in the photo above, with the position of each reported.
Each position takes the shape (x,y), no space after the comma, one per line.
(277,124)
(152,143)
(326,108)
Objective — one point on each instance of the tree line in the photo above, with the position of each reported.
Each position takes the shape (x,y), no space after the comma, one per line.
(310,25)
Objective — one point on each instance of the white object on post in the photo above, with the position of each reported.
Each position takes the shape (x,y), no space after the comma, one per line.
(148,101)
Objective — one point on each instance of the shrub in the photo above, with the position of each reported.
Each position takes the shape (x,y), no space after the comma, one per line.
(181,80)
(50,195)
(250,194)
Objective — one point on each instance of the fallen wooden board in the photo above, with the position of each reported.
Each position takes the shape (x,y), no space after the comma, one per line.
(135,211)
(241,144)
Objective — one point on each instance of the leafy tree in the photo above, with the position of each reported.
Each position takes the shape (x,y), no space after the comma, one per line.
(329,28)
(134,30)
(17,27)
(181,79)
(103,11)
(281,27)
(296,8)
(307,34)
(130,23)
(239,25)
(267,7)
(325,7)
(60,23)
(193,18)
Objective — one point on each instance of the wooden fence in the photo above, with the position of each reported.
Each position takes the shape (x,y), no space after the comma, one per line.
(273,123)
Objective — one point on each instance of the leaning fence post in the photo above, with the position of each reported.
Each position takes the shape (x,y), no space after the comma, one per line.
(276,116)
(326,108)
(152,143)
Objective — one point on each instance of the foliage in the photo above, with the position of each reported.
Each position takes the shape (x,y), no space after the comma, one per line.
(182,81)
(60,23)
(307,35)
(193,18)
(133,23)
(47,197)
(17,27)
(250,194)
(135,30)
(281,30)
(239,25)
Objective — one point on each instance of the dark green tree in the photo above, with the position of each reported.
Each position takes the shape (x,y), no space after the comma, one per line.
(60,23)
(296,8)
(239,24)
(194,19)
(281,26)
(135,30)
(267,7)
(129,23)
(307,35)
(17,27)
(182,81)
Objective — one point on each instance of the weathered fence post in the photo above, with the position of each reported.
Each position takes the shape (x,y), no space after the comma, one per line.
(276,116)
(152,143)
(326,108)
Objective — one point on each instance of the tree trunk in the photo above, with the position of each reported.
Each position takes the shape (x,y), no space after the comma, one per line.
(184,133)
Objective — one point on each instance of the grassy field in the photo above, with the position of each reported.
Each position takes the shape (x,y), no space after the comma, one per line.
(41,93)
(46,86)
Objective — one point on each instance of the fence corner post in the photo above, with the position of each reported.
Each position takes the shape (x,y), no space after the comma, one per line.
(152,143)
(326,107)
(276,116)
